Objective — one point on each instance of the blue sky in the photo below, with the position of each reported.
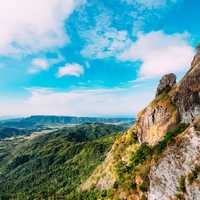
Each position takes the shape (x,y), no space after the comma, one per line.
(91,57)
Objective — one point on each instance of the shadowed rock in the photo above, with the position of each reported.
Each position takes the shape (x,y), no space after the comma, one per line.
(166,83)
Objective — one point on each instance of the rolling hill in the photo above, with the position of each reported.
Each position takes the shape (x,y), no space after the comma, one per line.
(54,164)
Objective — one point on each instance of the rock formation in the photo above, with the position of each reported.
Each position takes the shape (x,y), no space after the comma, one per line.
(166,83)
(156,159)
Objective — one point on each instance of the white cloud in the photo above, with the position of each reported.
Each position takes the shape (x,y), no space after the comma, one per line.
(73,69)
(85,102)
(160,53)
(103,40)
(43,64)
(38,64)
(33,25)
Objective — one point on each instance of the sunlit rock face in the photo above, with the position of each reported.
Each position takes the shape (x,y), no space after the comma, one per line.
(174,104)
(155,122)
(160,115)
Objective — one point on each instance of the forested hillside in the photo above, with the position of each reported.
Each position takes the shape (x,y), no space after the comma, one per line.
(53,164)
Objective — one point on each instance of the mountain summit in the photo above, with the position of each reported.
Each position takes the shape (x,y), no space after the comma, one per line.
(158,158)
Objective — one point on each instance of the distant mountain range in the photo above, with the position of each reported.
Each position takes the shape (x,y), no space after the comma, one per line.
(41,120)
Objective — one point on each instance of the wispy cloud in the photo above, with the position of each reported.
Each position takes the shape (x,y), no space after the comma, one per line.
(147,11)
(73,69)
(38,65)
(150,4)
(103,40)
(43,64)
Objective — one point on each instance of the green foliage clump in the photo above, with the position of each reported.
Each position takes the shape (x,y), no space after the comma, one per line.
(193,175)
(92,194)
(132,185)
(144,186)
(158,149)
(182,187)
(143,153)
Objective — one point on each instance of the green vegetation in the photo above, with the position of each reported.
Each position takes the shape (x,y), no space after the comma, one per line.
(54,164)
(93,194)
(140,161)
(193,175)
(7,132)
(144,187)
(143,153)
(158,149)
(146,152)
(182,187)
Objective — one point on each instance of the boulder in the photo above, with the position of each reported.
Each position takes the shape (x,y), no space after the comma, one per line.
(166,83)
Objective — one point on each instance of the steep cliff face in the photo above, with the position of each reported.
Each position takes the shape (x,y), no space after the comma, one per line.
(170,176)
(187,96)
(159,157)
(158,118)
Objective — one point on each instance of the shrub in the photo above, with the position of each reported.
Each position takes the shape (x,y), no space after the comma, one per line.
(116,185)
(182,187)
(144,186)
(142,154)
(193,175)
(104,193)
(132,185)
(158,149)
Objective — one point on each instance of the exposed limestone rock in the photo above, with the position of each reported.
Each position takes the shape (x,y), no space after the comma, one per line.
(178,160)
(155,121)
(174,104)
(166,83)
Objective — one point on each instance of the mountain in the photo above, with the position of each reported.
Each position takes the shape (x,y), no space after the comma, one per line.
(39,121)
(54,164)
(159,157)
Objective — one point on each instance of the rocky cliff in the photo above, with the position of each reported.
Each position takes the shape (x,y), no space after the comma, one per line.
(159,157)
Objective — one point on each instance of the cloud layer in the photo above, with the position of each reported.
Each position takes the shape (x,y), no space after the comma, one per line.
(160,53)
(85,102)
(33,25)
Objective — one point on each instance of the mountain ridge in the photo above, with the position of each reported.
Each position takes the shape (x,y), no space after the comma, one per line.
(131,170)
(53,119)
